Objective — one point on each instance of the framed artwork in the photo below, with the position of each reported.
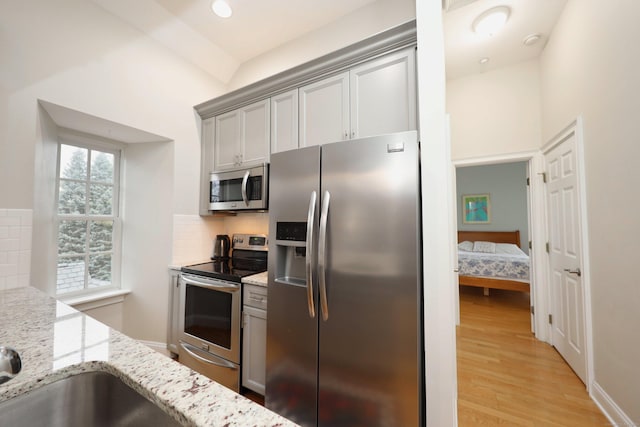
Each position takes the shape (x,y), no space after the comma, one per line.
(476,209)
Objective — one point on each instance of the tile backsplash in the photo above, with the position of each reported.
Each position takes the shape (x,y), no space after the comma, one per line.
(15,247)
(193,235)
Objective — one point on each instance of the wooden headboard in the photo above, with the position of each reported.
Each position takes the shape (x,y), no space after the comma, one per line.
(490,236)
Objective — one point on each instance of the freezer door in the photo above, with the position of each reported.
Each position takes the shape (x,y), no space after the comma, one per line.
(292,324)
(370,364)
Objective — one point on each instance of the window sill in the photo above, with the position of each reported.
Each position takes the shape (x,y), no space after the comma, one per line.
(88,302)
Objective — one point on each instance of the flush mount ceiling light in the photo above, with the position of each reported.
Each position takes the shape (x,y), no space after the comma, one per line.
(531,39)
(483,61)
(491,21)
(221,8)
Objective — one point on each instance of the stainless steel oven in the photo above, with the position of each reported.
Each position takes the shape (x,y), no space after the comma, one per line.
(240,189)
(210,310)
(210,328)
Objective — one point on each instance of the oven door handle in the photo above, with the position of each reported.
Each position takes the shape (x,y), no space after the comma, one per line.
(218,361)
(245,179)
(214,286)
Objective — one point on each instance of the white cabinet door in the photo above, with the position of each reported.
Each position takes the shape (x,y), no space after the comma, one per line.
(228,131)
(284,121)
(383,95)
(254,145)
(324,111)
(254,351)
(242,137)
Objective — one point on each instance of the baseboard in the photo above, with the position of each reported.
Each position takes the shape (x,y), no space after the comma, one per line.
(160,347)
(609,407)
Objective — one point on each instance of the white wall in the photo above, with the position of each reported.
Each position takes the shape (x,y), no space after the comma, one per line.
(496,112)
(591,67)
(437,224)
(74,54)
(146,242)
(506,183)
(371,19)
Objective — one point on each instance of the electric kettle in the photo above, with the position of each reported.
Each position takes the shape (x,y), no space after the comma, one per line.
(221,247)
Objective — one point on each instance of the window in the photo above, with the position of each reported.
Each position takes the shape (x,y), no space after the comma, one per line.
(88,220)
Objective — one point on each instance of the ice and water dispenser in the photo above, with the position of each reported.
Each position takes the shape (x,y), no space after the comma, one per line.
(291,253)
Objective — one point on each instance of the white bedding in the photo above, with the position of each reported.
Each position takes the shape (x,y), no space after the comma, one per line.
(508,262)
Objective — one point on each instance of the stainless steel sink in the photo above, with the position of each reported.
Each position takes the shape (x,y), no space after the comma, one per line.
(88,399)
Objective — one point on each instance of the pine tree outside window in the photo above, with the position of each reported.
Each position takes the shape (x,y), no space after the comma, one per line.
(88,219)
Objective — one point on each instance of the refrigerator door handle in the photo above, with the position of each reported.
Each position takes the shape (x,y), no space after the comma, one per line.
(322,255)
(311,220)
(245,179)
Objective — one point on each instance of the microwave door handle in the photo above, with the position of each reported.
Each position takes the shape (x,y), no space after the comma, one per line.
(322,256)
(311,220)
(245,180)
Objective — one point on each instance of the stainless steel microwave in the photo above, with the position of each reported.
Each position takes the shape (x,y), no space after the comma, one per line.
(239,189)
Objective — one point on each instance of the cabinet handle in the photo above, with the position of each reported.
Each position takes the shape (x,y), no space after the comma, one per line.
(346,134)
(353,134)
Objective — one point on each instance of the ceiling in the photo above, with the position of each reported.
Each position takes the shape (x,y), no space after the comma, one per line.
(464,48)
(220,46)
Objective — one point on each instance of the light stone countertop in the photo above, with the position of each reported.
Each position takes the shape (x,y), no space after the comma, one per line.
(56,341)
(260,279)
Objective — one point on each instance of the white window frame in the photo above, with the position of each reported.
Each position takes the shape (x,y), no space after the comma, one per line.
(106,146)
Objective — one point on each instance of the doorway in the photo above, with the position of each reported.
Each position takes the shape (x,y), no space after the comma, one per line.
(505,184)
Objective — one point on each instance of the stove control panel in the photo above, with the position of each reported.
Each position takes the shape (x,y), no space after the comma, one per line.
(253,242)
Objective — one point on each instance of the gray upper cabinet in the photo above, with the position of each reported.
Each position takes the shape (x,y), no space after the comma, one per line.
(242,137)
(365,89)
(324,111)
(383,95)
(284,121)
(373,98)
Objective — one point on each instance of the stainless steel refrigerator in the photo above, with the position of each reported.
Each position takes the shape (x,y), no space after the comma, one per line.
(344,323)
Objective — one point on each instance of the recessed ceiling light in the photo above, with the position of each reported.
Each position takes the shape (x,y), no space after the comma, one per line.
(531,39)
(490,21)
(221,8)
(483,60)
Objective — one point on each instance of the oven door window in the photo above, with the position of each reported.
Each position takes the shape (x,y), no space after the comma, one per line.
(208,315)
(230,190)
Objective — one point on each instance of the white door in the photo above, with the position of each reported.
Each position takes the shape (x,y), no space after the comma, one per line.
(565,255)
(324,111)
(383,95)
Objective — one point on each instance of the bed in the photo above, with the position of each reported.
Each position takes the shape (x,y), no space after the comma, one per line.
(512,272)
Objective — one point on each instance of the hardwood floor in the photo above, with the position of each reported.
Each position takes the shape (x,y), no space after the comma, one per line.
(508,378)
(252,395)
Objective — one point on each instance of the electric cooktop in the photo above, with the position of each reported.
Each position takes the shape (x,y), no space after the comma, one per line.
(249,256)
(231,269)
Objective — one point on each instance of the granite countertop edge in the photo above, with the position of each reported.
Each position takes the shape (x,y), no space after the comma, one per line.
(260,279)
(36,328)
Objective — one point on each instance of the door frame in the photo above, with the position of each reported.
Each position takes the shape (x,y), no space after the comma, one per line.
(537,232)
(575,128)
